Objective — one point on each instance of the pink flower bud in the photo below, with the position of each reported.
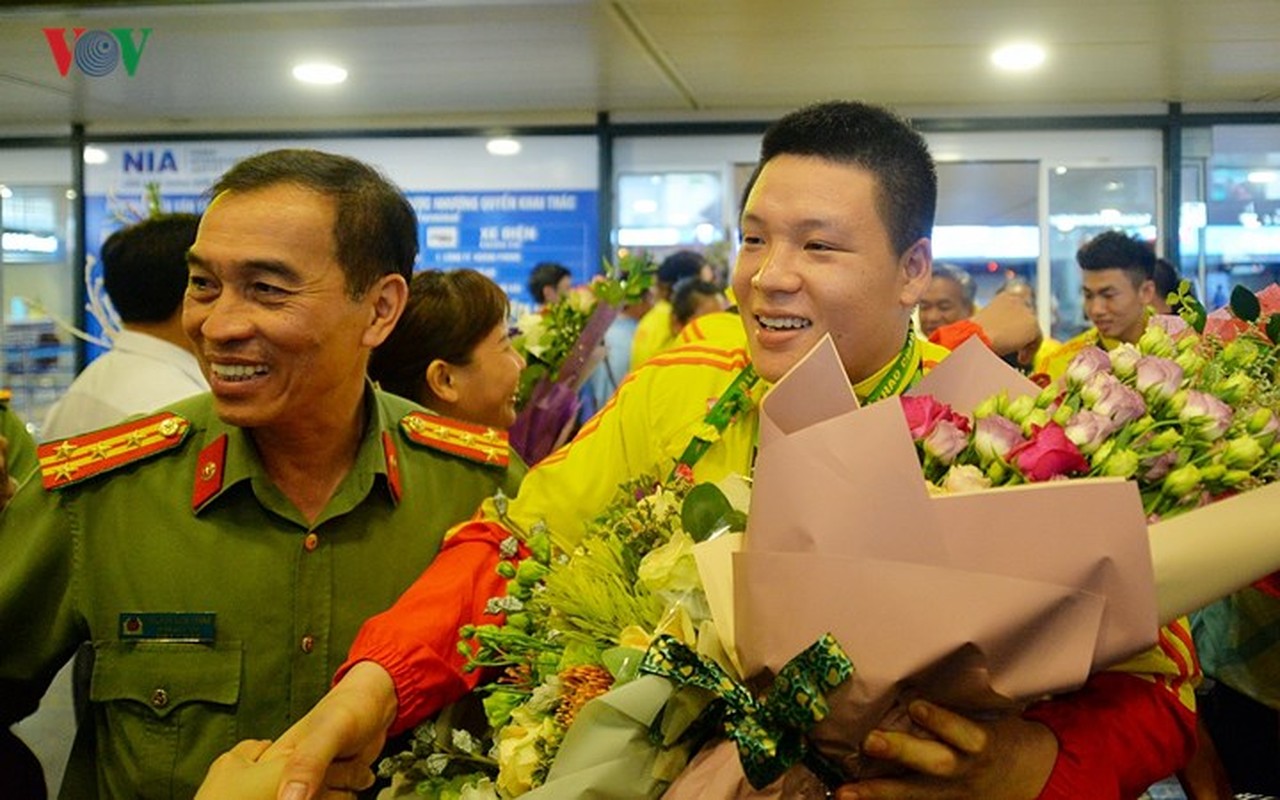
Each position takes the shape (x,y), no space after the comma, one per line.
(994,437)
(1088,429)
(1087,362)
(1205,415)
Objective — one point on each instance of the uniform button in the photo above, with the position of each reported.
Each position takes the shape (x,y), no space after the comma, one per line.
(308,643)
(311,542)
(159,698)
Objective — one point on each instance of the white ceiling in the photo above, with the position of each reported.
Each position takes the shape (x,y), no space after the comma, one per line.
(447,63)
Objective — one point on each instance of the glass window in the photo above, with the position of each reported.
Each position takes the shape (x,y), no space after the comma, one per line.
(1239,237)
(1083,202)
(669,209)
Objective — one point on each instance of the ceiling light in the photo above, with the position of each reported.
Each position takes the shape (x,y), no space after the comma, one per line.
(5,191)
(320,73)
(1018,57)
(503,146)
(1263,176)
(95,155)
(1059,170)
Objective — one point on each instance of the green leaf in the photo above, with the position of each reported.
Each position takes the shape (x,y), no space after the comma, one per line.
(1273,328)
(705,509)
(1244,304)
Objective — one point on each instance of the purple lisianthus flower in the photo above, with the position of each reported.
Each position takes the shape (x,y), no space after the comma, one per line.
(1120,404)
(995,436)
(1158,378)
(1097,386)
(1089,429)
(945,441)
(1206,415)
(1156,468)
(1172,324)
(1088,362)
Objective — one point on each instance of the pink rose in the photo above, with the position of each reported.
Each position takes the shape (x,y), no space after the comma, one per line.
(1158,378)
(923,412)
(1048,454)
(1089,429)
(945,441)
(1088,362)
(995,436)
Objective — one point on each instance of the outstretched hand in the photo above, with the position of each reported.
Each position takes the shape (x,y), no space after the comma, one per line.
(332,748)
(1005,759)
(240,774)
(1011,326)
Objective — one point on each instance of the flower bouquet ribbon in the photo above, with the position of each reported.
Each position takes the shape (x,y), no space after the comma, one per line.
(769,734)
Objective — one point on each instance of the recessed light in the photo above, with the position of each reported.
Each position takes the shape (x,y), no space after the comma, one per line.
(95,155)
(1018,56)
(320,73)
(503,146)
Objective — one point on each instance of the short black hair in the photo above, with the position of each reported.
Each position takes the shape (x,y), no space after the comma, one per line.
(874,139)
(680,265)
(546,274)
(144,266)
(685,294)
(1118,250)
(375,229)
(1166,276)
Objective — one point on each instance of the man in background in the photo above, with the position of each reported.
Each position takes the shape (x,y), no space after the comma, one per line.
(654,332)
(548,282)
(1117,280)
(948,299)
(150,364)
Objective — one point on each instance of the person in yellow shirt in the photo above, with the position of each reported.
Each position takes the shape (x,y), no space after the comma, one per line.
(1117,279)
(655,332)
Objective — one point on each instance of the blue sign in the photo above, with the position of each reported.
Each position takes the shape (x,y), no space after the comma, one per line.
(504,234)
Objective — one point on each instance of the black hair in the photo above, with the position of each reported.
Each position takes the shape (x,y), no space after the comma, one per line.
(874,139)
(144,266)
(1118,250)
(375,229)
(546,274)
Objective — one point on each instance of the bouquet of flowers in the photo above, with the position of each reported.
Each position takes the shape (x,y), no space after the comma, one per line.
(561,346)
(576,625)
(1191,413)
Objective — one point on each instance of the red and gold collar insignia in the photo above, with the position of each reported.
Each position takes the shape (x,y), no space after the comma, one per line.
(64,462)
(210,467)
(478,443)
(393,465)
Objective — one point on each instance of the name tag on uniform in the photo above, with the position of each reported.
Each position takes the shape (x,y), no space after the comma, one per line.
(196,628)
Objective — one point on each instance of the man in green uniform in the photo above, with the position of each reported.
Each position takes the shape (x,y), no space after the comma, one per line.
(220,555)
(17,449)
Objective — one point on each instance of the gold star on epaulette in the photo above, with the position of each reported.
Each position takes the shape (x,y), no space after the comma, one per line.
(66,462)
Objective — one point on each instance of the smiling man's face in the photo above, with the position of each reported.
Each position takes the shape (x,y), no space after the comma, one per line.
(816,258)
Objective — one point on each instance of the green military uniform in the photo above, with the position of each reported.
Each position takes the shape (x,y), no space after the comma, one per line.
(22,449)
(215,611)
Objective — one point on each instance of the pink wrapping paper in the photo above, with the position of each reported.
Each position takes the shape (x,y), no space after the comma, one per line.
(978,601)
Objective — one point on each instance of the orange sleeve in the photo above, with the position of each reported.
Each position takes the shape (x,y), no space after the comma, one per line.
(416,640)
(954,334)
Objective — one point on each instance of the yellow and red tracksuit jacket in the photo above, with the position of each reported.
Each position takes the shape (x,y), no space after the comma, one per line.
(1118,734)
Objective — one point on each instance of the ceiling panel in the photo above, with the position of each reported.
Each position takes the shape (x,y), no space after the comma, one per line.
(423,62)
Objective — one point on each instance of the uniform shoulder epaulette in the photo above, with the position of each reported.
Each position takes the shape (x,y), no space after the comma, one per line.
(478,443)
(64,462)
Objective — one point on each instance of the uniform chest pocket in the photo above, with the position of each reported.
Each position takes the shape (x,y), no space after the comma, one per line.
(162,712)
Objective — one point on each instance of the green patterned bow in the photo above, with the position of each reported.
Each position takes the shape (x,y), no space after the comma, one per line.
(769,732)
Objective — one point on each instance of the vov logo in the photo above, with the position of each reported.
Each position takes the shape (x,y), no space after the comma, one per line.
(97,52)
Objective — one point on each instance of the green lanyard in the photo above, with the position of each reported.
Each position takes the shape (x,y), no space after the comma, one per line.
(735,400)
(900,376)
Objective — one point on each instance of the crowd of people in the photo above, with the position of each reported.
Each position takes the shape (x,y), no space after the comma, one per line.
(282,550)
